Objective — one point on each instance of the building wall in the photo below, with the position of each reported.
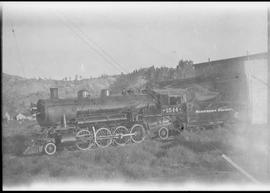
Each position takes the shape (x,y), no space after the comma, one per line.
(257,86)
(233,79)
(229,67)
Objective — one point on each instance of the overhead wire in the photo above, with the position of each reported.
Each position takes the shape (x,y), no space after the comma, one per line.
(98,46)
(66,23)
(143,42)
(100,49)
(89,46)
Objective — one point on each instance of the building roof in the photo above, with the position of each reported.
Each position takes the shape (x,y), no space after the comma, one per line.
(240,58)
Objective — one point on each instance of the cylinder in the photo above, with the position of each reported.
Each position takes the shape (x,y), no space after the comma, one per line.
(68,139)
(54,93)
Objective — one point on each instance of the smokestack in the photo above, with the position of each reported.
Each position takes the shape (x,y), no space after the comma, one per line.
(54,93)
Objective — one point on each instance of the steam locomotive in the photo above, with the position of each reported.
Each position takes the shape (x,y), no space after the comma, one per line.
(86,122)
(110,120)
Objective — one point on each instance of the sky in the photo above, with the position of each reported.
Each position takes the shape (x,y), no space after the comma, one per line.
(57,40)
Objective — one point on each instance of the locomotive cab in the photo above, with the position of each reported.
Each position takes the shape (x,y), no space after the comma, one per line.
(171,102)
(172,107)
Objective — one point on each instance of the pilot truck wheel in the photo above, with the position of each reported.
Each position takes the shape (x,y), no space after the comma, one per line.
(50,148)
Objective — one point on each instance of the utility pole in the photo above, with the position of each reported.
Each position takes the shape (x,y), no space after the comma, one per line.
(268,89)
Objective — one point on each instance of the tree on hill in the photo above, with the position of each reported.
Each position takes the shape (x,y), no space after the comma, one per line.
(76,77)
(184,69)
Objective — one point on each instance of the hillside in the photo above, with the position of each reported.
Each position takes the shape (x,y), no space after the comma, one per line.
(148,77)
(19,93)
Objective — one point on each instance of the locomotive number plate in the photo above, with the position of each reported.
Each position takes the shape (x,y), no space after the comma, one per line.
(171,110)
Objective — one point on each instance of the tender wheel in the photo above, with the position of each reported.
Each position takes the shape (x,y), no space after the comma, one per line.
(163,133)
(119,138)
(85,139)
(138,133)
(103,137)
(50,148)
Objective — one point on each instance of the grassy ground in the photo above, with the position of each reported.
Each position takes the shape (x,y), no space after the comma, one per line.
(192,157)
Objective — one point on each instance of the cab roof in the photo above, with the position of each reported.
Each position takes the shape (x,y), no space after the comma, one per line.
(170,92)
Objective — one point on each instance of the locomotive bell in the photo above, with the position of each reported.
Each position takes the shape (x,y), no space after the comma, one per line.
(54,93)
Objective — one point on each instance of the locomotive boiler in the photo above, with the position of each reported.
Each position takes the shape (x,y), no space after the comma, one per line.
(50,112)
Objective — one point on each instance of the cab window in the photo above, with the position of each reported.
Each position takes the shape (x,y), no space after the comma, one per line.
(173,100)
(179,100)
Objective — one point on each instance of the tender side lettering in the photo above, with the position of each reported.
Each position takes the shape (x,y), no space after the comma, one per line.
(214,110)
